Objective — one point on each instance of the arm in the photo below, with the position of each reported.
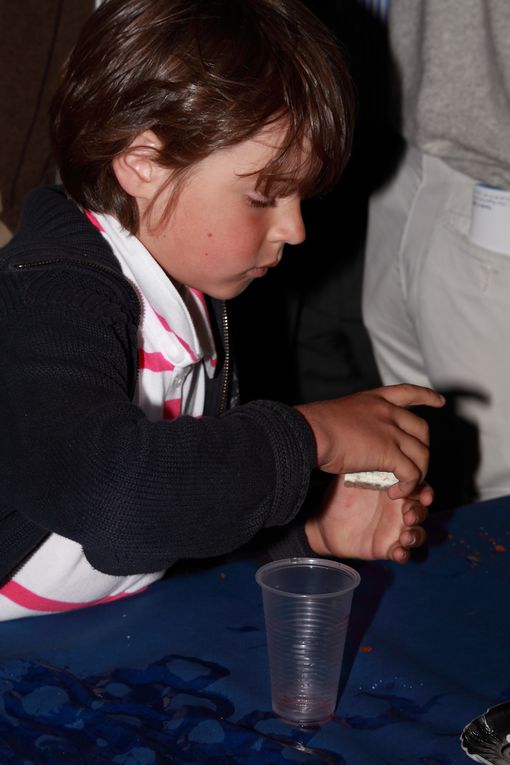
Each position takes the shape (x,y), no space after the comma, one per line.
(80,459)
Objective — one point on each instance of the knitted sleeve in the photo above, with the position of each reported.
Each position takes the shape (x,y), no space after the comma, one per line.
(79,458)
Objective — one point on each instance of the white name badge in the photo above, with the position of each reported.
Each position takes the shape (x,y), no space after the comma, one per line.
(490,218)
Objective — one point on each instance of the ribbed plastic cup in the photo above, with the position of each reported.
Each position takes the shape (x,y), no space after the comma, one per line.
(307,604)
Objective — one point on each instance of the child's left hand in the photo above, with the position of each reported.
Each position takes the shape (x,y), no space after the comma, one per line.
(367,524)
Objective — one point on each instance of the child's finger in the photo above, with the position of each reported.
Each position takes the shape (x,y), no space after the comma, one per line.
(410,538)
(399,554)
(415,515)
(425,495)
(416,451)
(413,425)
(413,537)
(410,469)
(413,464)
(406,394)
(404,488)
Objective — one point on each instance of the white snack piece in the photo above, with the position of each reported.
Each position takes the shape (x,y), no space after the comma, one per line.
(371,479)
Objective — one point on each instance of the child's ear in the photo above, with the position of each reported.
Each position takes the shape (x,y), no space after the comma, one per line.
(136,168)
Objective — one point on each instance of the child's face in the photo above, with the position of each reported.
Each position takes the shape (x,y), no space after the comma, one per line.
(222,233)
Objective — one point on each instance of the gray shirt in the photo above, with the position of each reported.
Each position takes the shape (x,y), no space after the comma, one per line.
(452,62)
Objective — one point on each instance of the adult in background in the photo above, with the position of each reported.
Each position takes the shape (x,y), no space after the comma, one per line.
(437,274)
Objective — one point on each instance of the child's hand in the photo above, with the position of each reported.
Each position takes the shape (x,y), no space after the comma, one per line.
(367,524)
(373,431)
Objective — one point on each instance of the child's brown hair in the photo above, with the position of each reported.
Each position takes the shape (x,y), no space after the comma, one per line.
(202,75)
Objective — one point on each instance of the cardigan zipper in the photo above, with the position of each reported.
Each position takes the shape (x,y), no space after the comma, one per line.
(88,264)
(226,362)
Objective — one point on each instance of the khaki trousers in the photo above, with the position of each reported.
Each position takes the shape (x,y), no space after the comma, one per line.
(437,309)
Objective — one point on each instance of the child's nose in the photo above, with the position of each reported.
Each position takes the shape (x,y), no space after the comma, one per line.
(289,227)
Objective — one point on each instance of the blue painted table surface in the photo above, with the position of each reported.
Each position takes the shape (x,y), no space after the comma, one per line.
(179,674)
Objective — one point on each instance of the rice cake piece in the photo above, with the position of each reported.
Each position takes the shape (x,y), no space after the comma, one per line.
(370,479)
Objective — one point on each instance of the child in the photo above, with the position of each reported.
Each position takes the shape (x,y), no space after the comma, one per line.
(186,132)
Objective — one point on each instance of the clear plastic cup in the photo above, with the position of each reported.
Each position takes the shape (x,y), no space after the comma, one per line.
(307,604)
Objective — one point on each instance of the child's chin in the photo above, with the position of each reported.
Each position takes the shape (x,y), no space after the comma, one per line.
(227,293)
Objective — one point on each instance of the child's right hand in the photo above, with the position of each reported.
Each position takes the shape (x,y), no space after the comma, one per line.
(372,430)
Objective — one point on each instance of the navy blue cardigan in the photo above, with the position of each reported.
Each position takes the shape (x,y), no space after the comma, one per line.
(77,457)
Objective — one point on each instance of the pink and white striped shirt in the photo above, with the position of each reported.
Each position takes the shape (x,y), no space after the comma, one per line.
(175,355)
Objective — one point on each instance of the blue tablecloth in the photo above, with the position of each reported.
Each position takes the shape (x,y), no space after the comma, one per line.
(179,674)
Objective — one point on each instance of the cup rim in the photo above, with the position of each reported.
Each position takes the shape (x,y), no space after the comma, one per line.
(305,561)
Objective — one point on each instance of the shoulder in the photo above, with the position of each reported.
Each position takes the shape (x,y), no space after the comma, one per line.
(58,258)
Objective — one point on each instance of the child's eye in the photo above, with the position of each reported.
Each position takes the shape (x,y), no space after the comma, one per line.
(261,202)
